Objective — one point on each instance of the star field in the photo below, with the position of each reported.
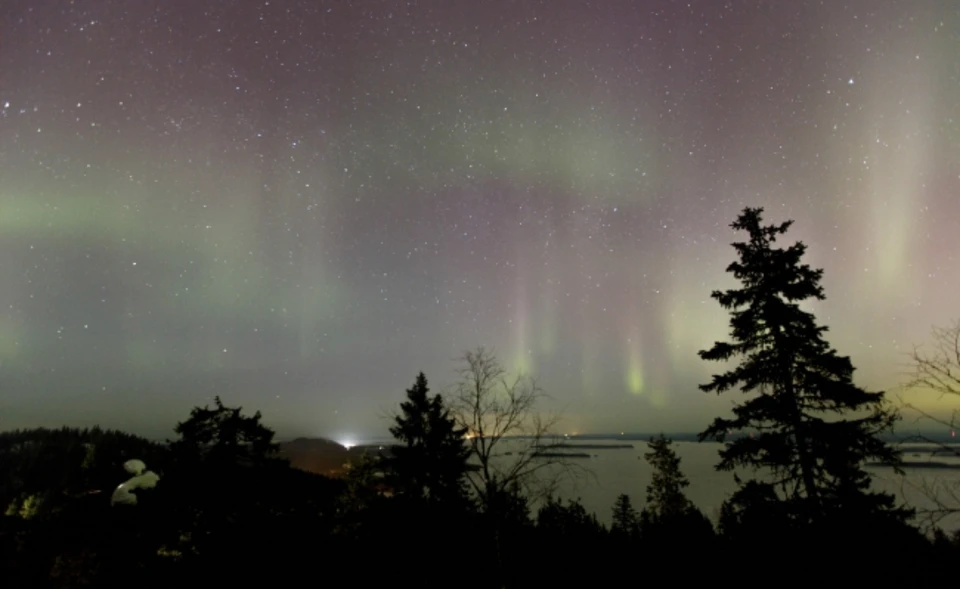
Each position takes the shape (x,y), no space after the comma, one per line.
(300,205)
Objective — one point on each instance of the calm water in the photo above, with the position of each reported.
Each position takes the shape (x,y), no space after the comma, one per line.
(618,471)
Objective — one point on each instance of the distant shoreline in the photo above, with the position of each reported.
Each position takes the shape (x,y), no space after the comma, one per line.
(594,446)
(918,464)
(560,455)
(926,442)
(933,450)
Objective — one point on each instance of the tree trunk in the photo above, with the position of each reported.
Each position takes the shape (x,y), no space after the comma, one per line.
(803,448)
(796,417)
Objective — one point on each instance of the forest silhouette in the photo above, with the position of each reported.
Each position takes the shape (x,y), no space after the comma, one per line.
(467,494)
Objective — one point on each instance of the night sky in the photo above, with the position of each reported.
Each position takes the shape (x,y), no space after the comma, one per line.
(300,205)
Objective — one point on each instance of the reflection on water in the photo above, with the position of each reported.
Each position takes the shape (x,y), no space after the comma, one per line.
(616,471)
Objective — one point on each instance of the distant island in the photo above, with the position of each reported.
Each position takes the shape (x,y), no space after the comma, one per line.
(594,446)
(919,464)
(560,455)
(941,450)
(944,438)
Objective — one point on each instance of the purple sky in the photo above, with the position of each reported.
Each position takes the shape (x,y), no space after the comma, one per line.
(300,205)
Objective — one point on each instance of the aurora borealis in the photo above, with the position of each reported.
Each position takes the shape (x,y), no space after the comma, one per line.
(300,205)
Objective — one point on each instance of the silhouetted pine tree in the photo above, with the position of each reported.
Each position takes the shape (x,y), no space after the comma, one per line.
(669,516)
(625,518)
(812,428)
(431,462)
(223,436)
(665,496)
(227,490)
(567,522)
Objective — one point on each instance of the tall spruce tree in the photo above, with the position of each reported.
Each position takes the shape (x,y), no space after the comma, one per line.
(665,496)
(431,461)
(811,428)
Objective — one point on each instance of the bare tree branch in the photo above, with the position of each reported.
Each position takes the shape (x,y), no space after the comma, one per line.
(939,369)
(936,371)
(497,409)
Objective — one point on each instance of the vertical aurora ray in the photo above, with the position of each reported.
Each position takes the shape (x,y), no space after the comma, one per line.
(639,382)
(634,361)
(316,296)
(548,305)
(547,323)
(634,364)
(10,335)
(898,164)
(308,318)
(523,360)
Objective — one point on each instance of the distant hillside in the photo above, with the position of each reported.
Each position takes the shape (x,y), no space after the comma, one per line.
(318,455)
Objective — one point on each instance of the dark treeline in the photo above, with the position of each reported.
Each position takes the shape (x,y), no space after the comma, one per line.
(455,502)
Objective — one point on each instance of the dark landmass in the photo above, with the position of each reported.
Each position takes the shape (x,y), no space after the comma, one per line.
(594,446)
(940,437)
(560,455)
(371,448)
(318,455)
(944,450)
(641,437)
(919,464)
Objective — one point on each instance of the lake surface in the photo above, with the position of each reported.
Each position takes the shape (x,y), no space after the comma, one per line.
(615,471)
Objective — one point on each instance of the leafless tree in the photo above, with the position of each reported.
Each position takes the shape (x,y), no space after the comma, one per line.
(936,370)
(496,408)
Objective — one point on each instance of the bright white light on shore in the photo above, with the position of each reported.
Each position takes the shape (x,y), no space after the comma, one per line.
(348,444)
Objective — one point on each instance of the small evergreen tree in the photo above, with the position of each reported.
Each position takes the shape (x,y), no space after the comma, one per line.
(568,523)
(665,495)
(625,518)
(431,462)
(812,427)
(669,516)
(223,436)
